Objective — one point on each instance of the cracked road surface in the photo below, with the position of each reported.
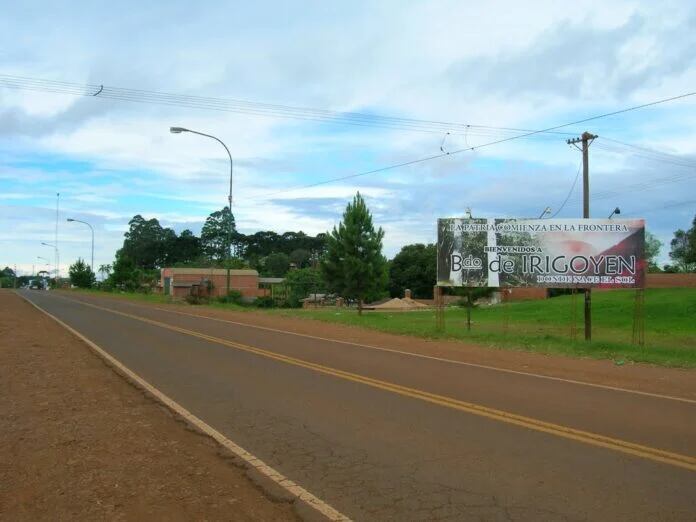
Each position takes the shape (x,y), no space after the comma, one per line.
(391,451)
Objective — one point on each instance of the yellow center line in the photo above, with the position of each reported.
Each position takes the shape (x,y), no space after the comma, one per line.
(171,310)
(594,439)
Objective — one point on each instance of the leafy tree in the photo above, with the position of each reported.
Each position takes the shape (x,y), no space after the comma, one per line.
(276,265)
(353,265)
(7,277)
(146,241)
(652,250)
(300,257)
(81,274)
(414,268)
(300,283)
(185,248)
(125,274)
(217,234)
(261,244)
(683,248)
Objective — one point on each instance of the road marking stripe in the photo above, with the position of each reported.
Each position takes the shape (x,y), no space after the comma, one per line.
(423,356)
(630,448)
(294,489)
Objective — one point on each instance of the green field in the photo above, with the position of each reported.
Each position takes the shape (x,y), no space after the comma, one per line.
(545,326)
(539,326)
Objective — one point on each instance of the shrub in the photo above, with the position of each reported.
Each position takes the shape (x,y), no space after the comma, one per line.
(233,296)
(300,283)
(195,299)
(265,302)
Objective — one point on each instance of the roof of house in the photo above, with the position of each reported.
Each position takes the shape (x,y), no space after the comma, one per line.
(271,279)
(314,297)
(210,271)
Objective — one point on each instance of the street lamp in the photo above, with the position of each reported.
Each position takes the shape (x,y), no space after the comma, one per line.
(546,211)
(616,211)
(46,261)
(71,220)
(55,250)
(179,130)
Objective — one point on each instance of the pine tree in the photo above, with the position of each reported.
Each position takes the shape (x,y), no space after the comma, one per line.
(81,274)
(354,266)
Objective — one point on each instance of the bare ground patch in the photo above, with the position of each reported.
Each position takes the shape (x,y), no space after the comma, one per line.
(77,442)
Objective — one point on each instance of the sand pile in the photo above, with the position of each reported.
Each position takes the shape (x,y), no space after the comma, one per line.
(399,304)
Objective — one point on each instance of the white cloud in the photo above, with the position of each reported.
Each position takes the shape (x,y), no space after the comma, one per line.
(495,63)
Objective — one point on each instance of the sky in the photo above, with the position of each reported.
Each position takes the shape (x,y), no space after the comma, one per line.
(495,64)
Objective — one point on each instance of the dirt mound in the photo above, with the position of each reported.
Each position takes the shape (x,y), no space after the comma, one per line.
(399,304)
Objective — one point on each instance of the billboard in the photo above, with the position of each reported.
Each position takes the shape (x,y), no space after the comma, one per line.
(554,253)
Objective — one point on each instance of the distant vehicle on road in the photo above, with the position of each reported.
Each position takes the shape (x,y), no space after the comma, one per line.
(37,284)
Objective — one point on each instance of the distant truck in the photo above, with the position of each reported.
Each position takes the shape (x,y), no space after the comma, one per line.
(38,284)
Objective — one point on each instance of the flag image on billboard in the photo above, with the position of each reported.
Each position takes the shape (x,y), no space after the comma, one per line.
(551,253)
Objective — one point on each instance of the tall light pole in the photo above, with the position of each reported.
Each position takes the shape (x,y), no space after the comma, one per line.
(55,251)
(56,239)
(71,220)
(179,130)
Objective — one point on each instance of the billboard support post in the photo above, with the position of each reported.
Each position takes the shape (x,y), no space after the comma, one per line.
(586,139)
(439,309)
(468,309)
(639,318)
(574,315)
(506,310)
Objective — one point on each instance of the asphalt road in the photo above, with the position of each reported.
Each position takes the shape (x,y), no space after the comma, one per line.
(388,436)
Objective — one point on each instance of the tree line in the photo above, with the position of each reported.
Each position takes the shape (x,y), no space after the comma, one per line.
(148,247)
(347,261)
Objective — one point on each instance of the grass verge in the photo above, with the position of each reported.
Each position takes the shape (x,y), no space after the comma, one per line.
(545,326)
(537,326)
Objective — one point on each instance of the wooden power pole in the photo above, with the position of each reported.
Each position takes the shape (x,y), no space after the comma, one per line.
(586,139)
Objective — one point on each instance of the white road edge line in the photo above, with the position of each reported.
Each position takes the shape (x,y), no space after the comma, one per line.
(421,356)
(291,487)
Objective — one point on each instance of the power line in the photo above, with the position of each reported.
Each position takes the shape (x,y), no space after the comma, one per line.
(642,148)
(327,116)
(249,107)
(350,176)
(476,147)
(644,153)
(662,207)
(570,192)
(607,194)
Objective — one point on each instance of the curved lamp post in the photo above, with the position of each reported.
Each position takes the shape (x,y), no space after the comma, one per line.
(71,220)
(179,130)
(55,250)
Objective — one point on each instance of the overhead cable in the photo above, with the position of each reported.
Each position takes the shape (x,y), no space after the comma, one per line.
(477,147)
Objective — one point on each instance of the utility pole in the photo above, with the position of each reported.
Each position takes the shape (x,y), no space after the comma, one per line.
(586,139)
